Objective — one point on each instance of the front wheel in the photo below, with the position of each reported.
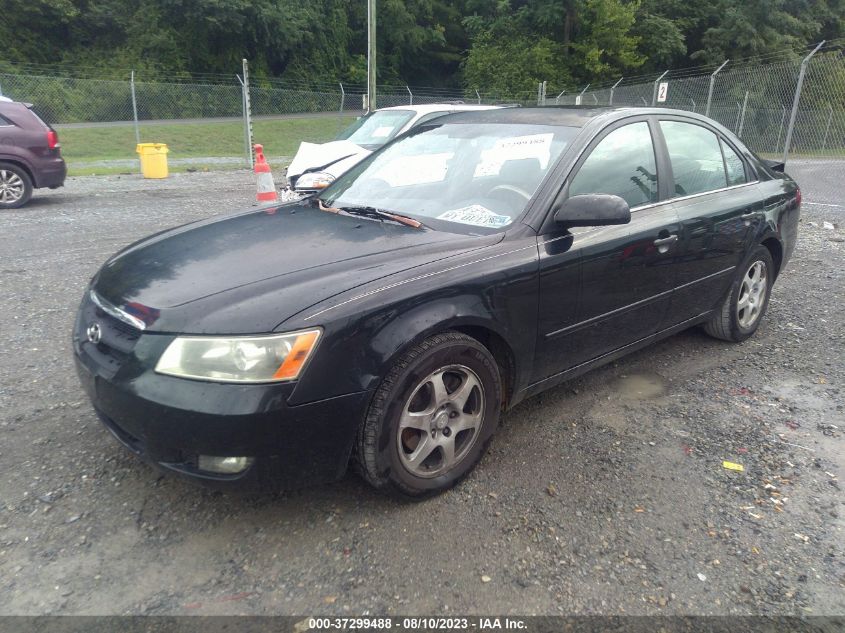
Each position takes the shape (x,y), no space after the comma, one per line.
(740,314)
(431,418)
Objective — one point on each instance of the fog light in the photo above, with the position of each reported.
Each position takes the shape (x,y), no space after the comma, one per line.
(224,465)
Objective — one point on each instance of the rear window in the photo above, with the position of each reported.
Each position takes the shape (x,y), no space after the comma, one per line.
(696,158)
(734,167)
(39,119)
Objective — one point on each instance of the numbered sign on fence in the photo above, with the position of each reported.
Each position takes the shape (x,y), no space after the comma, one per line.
(662,91)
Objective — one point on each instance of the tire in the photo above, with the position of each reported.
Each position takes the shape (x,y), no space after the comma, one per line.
(732,322)
(395,456)
(15,186)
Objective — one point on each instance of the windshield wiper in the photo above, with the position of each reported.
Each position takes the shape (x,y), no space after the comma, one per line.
(311,170)
(373,212)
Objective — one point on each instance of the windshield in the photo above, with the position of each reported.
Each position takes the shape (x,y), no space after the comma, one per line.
(472,176)
(376,128)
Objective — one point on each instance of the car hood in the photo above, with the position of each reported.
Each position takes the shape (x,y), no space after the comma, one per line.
(314,155)
(248,272)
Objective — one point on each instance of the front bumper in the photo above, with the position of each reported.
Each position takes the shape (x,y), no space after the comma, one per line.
(171,421)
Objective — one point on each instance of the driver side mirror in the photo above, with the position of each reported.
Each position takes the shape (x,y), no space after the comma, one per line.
(594,209)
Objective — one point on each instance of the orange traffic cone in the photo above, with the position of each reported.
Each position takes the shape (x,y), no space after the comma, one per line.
(266,187)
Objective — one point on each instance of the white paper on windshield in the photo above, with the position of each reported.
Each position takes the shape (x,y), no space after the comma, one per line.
(383,131)
(476,215)
(514,148)
(415,170)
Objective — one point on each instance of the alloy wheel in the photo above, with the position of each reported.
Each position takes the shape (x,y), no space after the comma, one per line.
(752,295)
(11,186)
(441,421)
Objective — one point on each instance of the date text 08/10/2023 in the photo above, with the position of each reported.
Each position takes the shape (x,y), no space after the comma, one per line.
(416,623)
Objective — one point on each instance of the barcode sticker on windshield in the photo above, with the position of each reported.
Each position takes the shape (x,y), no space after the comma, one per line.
(476,215)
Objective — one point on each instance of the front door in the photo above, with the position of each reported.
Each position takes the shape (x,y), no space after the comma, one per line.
(605,287)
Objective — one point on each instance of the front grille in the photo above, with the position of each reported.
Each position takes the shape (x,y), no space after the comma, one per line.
(117,339)
(116,335)
(126,330)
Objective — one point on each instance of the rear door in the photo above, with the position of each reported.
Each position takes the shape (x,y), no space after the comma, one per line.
(602,288)
(718,207)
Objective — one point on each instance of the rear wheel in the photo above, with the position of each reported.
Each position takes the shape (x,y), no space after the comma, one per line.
(15,186)
(740,314)
(431,418)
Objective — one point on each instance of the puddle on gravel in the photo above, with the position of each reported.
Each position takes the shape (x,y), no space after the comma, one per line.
(623,395)
(639,387)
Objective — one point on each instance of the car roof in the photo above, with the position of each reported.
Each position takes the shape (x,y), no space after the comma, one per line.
(440,107)
(570,116)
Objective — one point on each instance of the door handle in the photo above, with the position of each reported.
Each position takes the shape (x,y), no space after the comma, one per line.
(747,217)
(664,243)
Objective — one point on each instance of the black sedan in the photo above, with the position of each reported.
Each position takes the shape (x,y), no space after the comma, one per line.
(388,321)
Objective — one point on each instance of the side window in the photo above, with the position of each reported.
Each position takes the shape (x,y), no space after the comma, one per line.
(695,156)
(622,164)
(734,167)
(4,120)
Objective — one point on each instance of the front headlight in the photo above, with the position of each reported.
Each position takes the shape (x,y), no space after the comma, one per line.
(314,180)
(272,358)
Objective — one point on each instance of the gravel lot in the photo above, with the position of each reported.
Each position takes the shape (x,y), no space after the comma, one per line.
(606,495)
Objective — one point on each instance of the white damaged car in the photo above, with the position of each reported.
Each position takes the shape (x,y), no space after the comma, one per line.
(316,165)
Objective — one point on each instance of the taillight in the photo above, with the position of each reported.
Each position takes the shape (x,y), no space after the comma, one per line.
(798,197)
(52,139)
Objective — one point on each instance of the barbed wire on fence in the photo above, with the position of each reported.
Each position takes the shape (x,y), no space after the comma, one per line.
(761,99)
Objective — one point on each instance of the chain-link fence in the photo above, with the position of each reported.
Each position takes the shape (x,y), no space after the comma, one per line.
(783,106)
(787,107)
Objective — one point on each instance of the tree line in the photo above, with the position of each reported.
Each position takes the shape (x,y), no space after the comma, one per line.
(493,45)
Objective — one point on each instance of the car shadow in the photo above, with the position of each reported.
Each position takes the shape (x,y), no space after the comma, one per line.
(41,202)
(351,492)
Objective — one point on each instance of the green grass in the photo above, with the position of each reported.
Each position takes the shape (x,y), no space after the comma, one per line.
(191,140)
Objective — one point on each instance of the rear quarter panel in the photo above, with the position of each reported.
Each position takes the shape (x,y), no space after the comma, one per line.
(781,213)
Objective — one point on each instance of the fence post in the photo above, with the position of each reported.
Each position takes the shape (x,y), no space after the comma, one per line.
(827,129)
(478,95)
(742,116)
(612,88)
(557,98)
(693,104)
(544,92)
(780,129)
(791,127)
(243,116)
(247,112)
(410,95)
(581,95)
(342,97)
(539,91)
(710,89)
(371,55)
(134,107)
(654,91)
